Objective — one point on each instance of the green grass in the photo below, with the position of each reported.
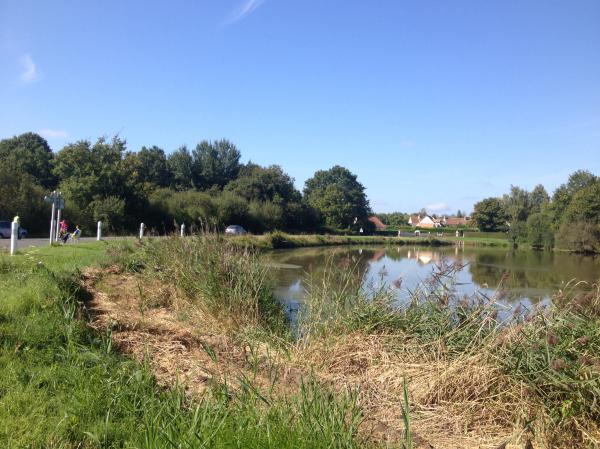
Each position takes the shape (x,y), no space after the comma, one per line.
(62,385)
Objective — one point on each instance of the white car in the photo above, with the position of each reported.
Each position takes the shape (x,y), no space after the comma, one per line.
(235,230)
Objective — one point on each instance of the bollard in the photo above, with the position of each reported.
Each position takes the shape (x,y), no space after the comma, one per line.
(14,236)
(142,227)
(99,235)
(183,230)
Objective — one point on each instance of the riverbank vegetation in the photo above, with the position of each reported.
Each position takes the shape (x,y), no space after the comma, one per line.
(569,220)
(218,360)
(206,186)
(474,378)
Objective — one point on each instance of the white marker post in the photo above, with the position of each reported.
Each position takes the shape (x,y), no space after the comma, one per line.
(183,230)
(14,236)
(142,227)
(99,235)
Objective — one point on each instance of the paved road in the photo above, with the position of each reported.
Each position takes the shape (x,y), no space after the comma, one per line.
(25,243)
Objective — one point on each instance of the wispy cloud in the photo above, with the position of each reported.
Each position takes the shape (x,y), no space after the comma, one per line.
(406,143)
(243,10)
(53,133)
(437,207)
(30,72)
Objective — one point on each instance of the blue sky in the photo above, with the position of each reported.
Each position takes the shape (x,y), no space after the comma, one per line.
(431,103)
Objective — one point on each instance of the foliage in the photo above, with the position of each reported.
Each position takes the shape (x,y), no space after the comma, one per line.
(579,236)
(29,153)
(539,231)
(215,163)
(338,196)
(490,215)
(22,196)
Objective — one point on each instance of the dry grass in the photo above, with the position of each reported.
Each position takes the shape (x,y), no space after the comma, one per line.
(464,389)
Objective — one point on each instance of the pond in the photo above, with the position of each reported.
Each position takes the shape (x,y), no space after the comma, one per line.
(515,278)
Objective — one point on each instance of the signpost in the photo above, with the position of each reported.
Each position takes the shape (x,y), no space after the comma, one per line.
(58,204)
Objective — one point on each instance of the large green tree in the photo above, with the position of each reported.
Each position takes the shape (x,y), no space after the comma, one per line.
(94,179)
(490,215)
(538,199)
(338,196)
(215,163)
(181,166)
(149,167)
(564,194)
(29,153)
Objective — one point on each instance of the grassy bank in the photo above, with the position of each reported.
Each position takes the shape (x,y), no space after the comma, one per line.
(440,371)
(278,240)
(63,384)
(182,344)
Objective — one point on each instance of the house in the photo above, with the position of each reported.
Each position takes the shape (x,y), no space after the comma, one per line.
(422,222)
(379,225)
(457,221)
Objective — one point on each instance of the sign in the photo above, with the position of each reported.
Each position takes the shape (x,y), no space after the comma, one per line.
(56,199)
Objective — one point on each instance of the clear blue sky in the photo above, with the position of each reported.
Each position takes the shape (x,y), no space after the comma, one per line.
(431,103)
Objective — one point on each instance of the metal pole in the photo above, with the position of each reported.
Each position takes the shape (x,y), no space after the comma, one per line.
(14,236)
(142,226)
(183,230)
(99,236)
(52,222)
(57,233)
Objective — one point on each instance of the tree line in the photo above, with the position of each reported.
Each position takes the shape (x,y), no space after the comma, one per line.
(569,219)
(207,186)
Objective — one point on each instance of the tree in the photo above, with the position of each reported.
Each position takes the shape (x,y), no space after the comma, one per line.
(149,166)
(91,173)
(585,205)
(538,199)
(22,195)
(539,231)
(562,195)
(516,204)
(338,196)
(489,215)
(215,163)
(265,184)
(29,153)
(181,165)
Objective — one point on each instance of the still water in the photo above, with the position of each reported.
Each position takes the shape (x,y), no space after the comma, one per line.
(512,277)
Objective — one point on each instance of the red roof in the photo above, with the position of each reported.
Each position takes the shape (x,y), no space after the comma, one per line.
(377,222)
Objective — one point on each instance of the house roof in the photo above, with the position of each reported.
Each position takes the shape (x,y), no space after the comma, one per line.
(456,221)
(377,222)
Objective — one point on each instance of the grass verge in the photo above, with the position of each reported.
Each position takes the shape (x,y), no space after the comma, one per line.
(63,385)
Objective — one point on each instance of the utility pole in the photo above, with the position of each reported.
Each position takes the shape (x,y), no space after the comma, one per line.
(58,204)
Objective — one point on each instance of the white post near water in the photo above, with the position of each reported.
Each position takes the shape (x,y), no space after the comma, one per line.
(183,230)
(52,224)
(14,236)
(99,234)
(142,227)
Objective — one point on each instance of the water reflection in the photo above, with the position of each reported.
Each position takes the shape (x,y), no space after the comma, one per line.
(524,277)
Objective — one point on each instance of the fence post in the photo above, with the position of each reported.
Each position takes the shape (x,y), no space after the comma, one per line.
(142,227)
(99,235)
(183,230)
(14,236)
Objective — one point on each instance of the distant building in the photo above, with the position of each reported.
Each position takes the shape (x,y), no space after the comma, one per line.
(379,225)
(426,221)
(457,221)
